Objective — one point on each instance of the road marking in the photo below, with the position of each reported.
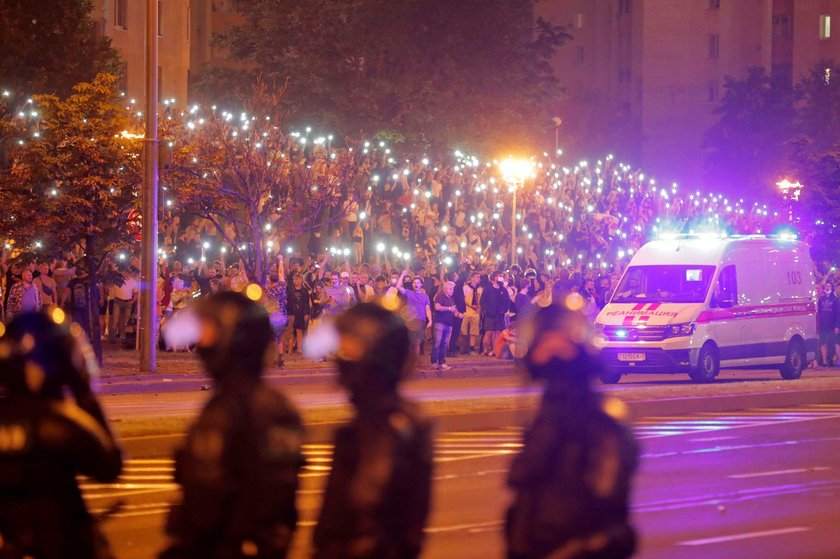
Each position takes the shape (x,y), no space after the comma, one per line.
(459,527)
(711,439)
(780,472)
(738,496)
(747,536)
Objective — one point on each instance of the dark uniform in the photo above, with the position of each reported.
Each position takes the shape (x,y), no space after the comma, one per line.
(378,496)
(238,468)
(46,441)
(572,478)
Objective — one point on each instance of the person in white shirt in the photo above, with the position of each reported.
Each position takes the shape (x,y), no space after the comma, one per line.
(124,297)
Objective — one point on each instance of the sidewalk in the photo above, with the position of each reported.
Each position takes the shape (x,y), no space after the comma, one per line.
(151,415)
(183,372)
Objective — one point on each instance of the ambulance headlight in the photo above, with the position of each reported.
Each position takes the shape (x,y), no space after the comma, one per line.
(677,330)
(599,329)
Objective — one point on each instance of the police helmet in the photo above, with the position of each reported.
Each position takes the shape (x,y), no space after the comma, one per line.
(373,350)
(41,353)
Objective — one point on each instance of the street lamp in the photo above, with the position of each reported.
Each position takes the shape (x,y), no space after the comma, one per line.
(515,171)
(790,190)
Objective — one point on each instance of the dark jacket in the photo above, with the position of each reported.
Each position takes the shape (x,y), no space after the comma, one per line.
(45,444)
(239,473)
(572,480)
(378,495)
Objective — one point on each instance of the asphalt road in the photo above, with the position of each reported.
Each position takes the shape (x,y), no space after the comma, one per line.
(124,399)
(759,483)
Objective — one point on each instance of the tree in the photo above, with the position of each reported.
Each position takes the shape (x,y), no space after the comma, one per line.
(818,118)
(432,74)
(256,184)
(747,146)
(817,212)
(47,46)
(73,183)
(815,159)
(593,124)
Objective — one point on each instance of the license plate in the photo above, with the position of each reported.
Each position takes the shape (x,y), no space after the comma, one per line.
(631,356)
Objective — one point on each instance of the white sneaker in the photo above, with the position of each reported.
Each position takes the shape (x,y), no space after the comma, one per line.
(445,367)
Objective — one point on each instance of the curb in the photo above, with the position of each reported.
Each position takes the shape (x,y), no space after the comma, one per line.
(323,375)
(164,445)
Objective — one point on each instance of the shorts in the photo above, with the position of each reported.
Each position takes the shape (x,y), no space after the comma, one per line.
(827,337)
(494,323)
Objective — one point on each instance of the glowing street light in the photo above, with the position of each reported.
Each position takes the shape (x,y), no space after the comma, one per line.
(790,189)
(515,171)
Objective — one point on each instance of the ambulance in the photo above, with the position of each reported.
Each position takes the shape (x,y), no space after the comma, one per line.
(696,304)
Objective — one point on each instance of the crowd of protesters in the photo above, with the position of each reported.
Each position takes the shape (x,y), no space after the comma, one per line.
(435,235)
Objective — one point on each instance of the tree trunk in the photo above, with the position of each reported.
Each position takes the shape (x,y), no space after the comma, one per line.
(259,260)
(93,299)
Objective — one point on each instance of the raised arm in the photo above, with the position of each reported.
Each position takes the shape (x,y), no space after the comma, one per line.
(400,286)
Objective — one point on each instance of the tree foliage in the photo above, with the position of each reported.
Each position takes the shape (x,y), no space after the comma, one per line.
(73,181)
(592,123)
(431,73)
(748,146)
(47,46)
(770,130)
(815,159)
(252,180)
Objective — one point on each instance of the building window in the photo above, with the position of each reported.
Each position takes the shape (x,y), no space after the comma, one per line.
(825,26)
(782,28)
(579,20)
(124,78)
(579,55)
(624,75)
(713,92)
(714,46)
(625,7)
(713,4)
(121,14)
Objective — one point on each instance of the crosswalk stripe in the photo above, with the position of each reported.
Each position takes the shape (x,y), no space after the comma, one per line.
(154,475)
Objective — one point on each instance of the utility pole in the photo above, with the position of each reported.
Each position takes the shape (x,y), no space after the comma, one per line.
(148,272)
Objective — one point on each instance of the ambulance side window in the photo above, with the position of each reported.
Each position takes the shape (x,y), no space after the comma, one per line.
(726,292)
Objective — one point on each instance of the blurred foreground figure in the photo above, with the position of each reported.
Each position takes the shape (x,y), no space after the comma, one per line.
(377,498)
(572,479)
(46,440)
(239,466)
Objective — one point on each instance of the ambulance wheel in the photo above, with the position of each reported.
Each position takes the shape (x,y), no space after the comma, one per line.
(795,361)
(708,364)
(610,377)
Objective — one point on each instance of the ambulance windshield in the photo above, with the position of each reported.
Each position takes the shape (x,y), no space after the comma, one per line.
(664,284)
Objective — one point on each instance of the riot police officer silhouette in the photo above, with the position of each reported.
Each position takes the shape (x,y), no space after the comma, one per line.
(47,439)
(239,466)
(573,477)
(377,498)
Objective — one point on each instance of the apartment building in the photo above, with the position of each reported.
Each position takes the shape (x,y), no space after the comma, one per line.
(186,29)
(124,21)
(664,62)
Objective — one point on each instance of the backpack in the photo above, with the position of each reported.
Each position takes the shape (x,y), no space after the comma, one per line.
(80,295)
